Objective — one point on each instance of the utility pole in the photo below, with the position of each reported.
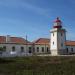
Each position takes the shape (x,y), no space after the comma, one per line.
(26,45)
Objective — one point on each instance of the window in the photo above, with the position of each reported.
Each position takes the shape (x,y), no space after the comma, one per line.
(47,49)
(30,50)
(13,48)
(61,34)
(37,49)
(42,49)
(22,49)
(53,43)
(71,49)
(61,44)
(4,48)
(53,34)
(67,50)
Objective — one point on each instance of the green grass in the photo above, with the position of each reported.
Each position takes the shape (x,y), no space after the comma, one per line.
(37,66)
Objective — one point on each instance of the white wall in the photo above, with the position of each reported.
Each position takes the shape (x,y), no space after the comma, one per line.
(70,51)
(17,51)
(61,39)
(58,36)
(53,39)
(40,49)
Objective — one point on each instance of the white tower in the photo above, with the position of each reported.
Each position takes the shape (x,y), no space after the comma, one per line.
(58,38)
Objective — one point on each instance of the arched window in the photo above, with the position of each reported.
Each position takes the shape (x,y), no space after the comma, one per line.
(61,44)
(30,50)
(42,49)
(67,50)
(71,49)
(22,49)
(47,49)
(4,48)
(37,49)
(61,34)
(53,42)
(13,48)
(53,34)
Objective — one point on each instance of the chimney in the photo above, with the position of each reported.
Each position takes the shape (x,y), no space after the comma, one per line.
(8,39)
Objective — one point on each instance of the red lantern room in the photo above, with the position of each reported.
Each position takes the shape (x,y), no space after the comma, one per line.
(57,23)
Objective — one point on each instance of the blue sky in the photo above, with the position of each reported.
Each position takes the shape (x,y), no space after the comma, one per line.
(34,18)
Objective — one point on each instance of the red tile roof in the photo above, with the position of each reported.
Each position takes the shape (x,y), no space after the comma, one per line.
(16,40)
(70,43)
(2,39)
(42,41)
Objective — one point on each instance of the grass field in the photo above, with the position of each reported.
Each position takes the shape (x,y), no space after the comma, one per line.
(37,66)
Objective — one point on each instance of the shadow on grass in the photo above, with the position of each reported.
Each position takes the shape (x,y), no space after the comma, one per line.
(4,60)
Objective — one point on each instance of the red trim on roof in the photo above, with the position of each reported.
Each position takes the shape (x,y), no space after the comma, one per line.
(16,40)
(57,26)
(57,20)
(70,43)
(42,41)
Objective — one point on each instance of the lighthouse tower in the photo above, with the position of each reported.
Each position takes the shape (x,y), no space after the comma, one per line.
(58,38)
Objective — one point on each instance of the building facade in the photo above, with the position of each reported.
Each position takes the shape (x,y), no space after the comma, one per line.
(56,45)
(14,46)
(41,46)
(58,38)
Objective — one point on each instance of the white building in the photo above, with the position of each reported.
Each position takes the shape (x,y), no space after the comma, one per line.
(56,45)
(58,38)
(41,46)
(15,46)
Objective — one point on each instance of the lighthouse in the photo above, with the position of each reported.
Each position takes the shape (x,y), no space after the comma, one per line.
(58,38)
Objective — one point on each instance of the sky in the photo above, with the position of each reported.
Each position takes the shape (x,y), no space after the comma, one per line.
(34,18)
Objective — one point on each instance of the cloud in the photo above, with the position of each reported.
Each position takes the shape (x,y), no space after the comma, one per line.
(24,5)
(39,10)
